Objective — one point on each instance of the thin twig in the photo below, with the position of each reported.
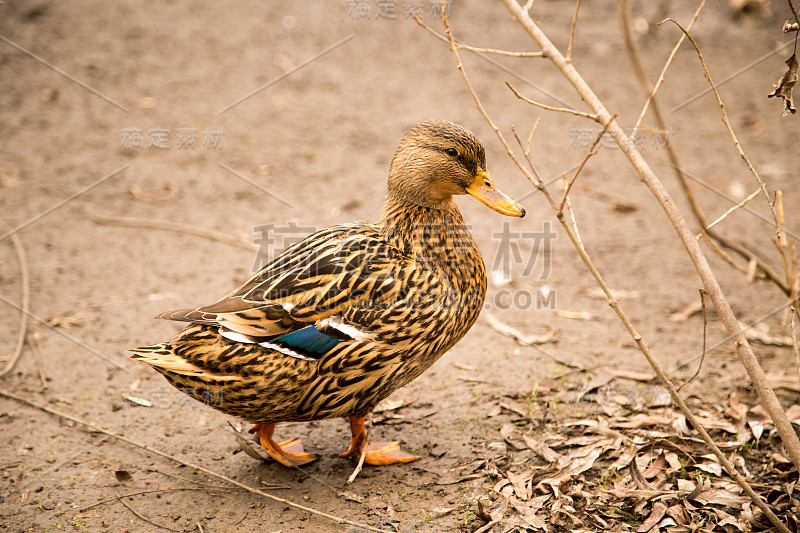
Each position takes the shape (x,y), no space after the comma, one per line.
(705,339)
(361,459)
(797,20)
(118,497)
(637,62)
(195,482)
(586,157)
(35,356)
(572,30)
(769,400)
(193,466)
(571,212)
(462,46)
(551,108)
(787,250)
(673,156)
(26,298)
(131,509)
(727,122)
(527,151)
(734,208)
(530,137)
(794,345)
(171,226)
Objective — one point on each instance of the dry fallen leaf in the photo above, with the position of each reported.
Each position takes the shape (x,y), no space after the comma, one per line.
(77,318)
(522,339)
(785,86)
(136,400)
(619,294)
(658,512)
(390,404)
(246,447)
(520,484)
(629,374)
(541,449)
(683,315)
(574,315)
(164,194)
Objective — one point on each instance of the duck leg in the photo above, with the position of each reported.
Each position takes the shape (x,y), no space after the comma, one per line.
(378,453)
(289,453)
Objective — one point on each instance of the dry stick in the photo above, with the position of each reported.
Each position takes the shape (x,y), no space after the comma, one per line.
(572,30)
(789,263)
(705,339)
(109,500)
(637,62)
(795,347)
(572,214)
(35,356)
(193,466)
(673,156)
(779,229)
(171,226)
(475,49)
(131,509)
(551,108)
(794,11)
(727,122)
(361,459)
(589,154)
(26,298)
(766,395)
(727,213)
(691,244)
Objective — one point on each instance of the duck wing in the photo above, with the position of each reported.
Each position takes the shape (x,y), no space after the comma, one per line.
(297,303)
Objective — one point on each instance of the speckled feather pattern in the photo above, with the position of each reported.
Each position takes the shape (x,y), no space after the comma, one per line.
(396,295)
(436,288)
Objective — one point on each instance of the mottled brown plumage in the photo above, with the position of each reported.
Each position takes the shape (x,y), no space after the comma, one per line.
(340,320)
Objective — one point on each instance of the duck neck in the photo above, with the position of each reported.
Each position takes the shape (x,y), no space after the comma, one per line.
(434,236)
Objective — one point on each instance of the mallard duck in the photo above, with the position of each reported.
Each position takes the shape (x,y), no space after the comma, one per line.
(340,320)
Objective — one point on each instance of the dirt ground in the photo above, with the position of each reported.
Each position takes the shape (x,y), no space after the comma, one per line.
(312,149)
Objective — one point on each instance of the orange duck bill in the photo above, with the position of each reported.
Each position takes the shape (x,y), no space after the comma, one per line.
(484,190)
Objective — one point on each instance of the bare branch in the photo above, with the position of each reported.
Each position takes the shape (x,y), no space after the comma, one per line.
(705,339)
(475,49)
(26,299)
(572,30)
(728,125)
(721,241)
(551,108)
(199,468)
(590,153)
(634,53)
(766,395)
(734,208)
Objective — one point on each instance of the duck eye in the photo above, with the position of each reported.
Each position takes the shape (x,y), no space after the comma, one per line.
(451,152)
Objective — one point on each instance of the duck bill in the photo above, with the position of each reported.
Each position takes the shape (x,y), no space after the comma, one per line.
(484,190)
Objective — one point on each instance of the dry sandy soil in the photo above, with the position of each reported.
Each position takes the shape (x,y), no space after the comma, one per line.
(313,149)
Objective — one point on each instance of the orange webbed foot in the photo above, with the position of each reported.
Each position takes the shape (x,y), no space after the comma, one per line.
(387,453)
(378,453)
(289,453)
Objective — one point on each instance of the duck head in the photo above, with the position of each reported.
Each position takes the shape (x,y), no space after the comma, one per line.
(437,160)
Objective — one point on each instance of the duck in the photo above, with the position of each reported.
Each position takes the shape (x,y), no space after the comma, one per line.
(343,318)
